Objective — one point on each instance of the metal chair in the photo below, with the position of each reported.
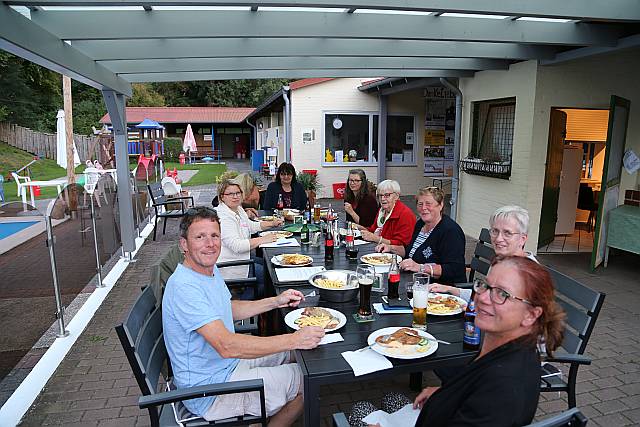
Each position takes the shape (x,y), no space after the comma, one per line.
(482,255)
(586,202)
(143,343)
(582,306)
(161,206)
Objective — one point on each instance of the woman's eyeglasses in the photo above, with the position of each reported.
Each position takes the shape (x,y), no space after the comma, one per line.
(236,194)
(494,232)
(497,295)
(355,181)
(385,195)
(286,174)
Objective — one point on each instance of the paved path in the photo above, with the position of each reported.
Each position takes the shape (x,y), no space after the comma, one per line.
(94,384)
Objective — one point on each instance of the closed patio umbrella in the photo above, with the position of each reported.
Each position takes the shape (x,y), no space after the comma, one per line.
(189,143)
(61,143)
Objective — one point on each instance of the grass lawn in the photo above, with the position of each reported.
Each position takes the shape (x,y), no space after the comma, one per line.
(12,159)
(206,173)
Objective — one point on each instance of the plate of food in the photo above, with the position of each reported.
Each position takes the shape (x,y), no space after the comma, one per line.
(292,260)
(280,234)
(327,318)
(377,259)
(402,343)
(444,304)
(266,218)
(290,214)
(336,285)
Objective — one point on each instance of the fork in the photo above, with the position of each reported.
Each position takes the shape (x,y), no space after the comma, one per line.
(430,339)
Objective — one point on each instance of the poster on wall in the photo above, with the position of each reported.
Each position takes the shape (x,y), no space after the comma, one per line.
(439,132)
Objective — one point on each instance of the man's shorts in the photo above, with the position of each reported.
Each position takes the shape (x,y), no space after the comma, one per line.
(282,382)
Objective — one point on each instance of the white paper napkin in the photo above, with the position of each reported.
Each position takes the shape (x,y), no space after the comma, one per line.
(360,242)
(330,338)
(366,361)
(297,274)
(381,268)
(282,243)
(405,416)
(379,308)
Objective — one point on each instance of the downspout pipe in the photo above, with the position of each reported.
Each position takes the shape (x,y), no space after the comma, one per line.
(253,144)
(287,124)
(457,144)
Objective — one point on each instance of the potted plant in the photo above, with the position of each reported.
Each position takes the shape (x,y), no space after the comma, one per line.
(311,186)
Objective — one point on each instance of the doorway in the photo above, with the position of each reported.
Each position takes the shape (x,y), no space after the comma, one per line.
(573,176)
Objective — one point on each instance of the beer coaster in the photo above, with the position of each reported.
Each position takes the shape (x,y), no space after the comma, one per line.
(360,319)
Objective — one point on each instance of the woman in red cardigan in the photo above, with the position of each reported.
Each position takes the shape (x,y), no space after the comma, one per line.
(394,222)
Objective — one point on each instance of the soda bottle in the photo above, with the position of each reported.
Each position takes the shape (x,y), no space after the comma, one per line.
(328,245)
(394,279)
(280,204)
(471,339)
(304,233)
(351,251)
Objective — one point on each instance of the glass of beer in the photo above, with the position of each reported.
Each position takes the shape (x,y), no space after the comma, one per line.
(420,301)
(366,275)
(316,213)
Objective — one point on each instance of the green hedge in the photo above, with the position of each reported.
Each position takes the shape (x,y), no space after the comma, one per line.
(172,149)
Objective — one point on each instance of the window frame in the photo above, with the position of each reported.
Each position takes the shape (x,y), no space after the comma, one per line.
(371,115)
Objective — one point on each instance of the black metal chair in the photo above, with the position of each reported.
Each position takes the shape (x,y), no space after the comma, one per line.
(162,206)
(482,255)
(570,418)
(143,343)
(582,306)
(587,202)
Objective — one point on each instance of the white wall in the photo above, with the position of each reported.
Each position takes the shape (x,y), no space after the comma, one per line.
(479,196)
(584,83)
(309,103)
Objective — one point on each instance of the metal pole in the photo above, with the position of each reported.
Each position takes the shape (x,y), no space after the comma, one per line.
(54,271)
(95,242)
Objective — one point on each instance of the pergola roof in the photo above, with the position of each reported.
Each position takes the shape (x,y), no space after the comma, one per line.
(109,44)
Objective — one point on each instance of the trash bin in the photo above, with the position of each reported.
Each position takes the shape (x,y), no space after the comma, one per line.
(36,190)
(338,190)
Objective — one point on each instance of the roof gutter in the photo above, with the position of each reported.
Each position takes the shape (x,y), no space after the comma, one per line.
(456,147)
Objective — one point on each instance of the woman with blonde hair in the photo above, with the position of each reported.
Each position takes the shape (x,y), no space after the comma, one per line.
(250,194)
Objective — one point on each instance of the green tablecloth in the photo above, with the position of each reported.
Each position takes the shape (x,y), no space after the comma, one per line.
(624,228)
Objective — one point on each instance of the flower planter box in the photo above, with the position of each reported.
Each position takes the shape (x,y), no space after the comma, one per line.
(482,167)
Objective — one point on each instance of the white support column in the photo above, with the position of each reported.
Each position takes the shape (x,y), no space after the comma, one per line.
(381,155)
(115,103)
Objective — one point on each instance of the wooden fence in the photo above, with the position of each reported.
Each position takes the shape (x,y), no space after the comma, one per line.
(44,144)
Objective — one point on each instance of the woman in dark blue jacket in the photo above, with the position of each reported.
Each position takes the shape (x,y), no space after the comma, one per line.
(286,184)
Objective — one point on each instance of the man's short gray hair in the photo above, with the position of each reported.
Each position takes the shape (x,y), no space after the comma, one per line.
(388,186)
(520,215)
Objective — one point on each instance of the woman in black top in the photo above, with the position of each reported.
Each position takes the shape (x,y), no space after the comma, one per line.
(286,185)
(438,243)
(360,205)
(515,306)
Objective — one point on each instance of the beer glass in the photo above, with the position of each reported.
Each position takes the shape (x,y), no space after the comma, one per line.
(366,274)
(316,213)
(420,300)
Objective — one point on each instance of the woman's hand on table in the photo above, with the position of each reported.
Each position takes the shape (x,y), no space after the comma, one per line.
(369,236)
(409,265)
(268,238)
(383,247)
(251,213)
(423,397)
(277,222)
(289,298)
(438,288)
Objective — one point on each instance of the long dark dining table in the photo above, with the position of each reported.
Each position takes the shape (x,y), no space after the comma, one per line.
(325,364)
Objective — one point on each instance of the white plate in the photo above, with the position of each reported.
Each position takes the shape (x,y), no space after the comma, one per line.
(463,305)
(283,234)
(277,260)
(397,354)
(364,259)
(291,317)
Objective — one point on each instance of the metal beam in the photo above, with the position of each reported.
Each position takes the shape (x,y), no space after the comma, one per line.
(300,63)
(412,85)
(610,10)
(116,103)
(25,39)
(243,48)
(289,74)
(90,25)
(631,42)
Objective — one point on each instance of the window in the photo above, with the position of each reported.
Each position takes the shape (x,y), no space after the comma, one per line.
(349,133)
(492,138)
(400,139)
(359,131)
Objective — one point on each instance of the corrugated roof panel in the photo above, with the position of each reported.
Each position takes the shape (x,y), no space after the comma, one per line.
(185,114)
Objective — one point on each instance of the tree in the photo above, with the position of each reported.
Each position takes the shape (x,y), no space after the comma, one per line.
(144,95)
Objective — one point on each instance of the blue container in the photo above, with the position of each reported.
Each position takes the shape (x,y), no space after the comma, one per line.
(257,159)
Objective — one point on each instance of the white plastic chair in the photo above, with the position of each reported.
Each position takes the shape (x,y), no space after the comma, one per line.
(93,186)
(170,187)
(20,180)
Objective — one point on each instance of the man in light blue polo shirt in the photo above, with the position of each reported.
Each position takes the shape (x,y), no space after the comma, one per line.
(197,318)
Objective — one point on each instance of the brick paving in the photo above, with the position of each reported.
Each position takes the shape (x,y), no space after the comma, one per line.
(94,386)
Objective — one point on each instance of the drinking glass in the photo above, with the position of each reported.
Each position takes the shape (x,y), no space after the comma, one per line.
(420,290)
(316,213)
(366,275)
